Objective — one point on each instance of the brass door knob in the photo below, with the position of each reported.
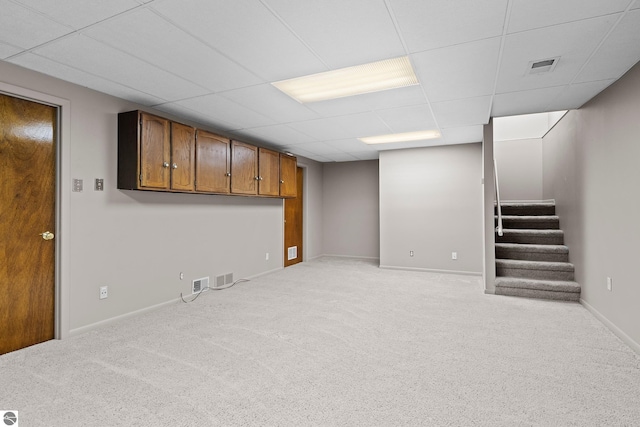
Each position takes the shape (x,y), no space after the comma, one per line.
(47,235)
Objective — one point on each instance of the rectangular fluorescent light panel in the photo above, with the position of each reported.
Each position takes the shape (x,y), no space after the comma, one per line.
(401,137)
(365,78)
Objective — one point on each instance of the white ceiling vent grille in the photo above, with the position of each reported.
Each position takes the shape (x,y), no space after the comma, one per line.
(542,65)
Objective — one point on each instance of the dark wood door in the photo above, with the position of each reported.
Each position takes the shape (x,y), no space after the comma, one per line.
(268,172)
(27,213)
(213,163)
(244,168)
(183,157)
(288,172)
(293,224)
(155,152)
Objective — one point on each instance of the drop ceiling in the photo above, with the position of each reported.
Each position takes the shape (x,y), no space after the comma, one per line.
(212,62)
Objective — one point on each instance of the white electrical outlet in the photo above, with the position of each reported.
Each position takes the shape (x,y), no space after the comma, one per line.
(609,284)
(454,255)
(266,257)
(104,292)
(181,275)
(410,253)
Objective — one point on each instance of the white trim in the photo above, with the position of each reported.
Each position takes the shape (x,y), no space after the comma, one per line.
(62,279)
(351,256)
(612,327)
(502,202)
(433,270)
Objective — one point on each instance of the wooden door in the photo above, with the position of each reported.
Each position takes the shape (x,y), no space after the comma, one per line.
(288,172)
(213,163)
(27,209)
(293,224)
(183,157)
(244,168)
(155,152)
(268,172)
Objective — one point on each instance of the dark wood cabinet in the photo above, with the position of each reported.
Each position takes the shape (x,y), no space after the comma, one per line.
(288,184)
(213,163)
(157,154)
(268,172)
(244,168)
(183,157)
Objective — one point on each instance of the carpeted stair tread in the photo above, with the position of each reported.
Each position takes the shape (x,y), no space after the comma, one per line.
(531,252)
(530,222)
(546,285)
(527,208)
(540,270)
(528,236)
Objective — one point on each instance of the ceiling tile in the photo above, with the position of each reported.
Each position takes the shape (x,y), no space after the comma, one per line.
(342,127)
(149,37)
(7,50)
(227,111)
(321,148)
(576,95)
(525,102)
(351,145)
(341,157)
(213,123)
(408,119)
(527,14)
(247,32)
(369,155)
(80,13)
(63,72)
(573,43)
(343,33)
(298,151)
(271,102)
(619,52)
(25,28)
(462,112)
(99,59)
(463,135)
(409,144)
(277,134)
(461,71)
(437,23)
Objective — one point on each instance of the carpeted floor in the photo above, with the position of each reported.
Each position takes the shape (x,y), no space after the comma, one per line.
(334,342)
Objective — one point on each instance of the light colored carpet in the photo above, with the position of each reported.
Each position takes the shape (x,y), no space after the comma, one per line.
(335,342)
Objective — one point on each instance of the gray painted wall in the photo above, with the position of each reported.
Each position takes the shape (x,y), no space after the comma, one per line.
(591,168)
(137,243)
(351,220)
(312,206)
(431,203)
(519,168)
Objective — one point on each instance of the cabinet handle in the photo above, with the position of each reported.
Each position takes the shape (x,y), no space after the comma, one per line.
(227,174)
(165,165)
(174,166)
(257,178)
(281,181)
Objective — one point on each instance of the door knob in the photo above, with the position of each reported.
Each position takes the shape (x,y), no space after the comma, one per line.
(47,235)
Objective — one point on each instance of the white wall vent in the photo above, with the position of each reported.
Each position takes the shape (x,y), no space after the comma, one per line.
(199,285)
(292,253)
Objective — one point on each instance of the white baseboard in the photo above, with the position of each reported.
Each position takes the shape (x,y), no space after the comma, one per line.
(613,328)
(349,256)
(431,270)
(84,329)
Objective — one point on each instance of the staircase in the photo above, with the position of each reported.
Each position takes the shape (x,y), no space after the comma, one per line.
(531,259)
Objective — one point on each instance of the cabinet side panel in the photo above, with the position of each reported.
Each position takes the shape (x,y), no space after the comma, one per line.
(128,172)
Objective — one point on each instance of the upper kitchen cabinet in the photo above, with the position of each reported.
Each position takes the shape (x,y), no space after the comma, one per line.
(244,168)
(288,167)
(213,163)
(268,172)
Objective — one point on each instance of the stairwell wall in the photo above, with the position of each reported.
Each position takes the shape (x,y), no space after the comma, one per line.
(590,164)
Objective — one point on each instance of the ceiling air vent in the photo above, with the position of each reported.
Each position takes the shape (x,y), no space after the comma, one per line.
(542,65)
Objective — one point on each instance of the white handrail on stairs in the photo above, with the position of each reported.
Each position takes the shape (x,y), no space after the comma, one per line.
(499,228)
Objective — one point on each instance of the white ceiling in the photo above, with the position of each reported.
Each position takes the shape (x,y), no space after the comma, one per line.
(212,61)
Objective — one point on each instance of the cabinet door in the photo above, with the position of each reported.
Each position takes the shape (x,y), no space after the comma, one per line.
(268,172)
(155,152)
(288,166)
(183,156)
(213,167)
(244,168)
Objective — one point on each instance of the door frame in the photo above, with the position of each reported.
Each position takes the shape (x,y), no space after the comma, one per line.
(63,196)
